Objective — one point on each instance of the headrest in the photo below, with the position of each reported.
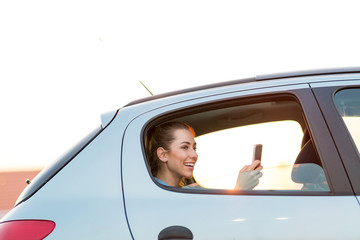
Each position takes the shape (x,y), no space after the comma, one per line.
(308,154)
(306,137)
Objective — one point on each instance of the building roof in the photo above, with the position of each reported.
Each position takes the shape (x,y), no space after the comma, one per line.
(11,185)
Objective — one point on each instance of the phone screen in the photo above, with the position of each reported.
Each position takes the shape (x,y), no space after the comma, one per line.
(257,152)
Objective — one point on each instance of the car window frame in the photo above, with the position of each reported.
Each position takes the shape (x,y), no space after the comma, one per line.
(306,101)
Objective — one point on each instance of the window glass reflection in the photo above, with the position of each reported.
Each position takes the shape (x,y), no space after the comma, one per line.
(348,104)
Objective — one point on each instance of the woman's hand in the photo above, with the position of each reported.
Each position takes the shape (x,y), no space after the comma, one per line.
(249,175)
(256,165)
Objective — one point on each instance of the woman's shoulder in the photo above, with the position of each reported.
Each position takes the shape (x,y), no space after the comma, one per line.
(161,182)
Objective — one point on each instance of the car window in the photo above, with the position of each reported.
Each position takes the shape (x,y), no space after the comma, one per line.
(348,104)
(223,153)
(226,135)
(220,161)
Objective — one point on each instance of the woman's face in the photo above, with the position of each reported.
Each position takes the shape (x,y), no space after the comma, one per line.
(182,156)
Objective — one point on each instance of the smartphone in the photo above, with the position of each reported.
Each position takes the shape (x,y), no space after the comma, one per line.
(257,152)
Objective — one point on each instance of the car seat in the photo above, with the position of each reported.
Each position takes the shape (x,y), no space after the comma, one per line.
(308,168)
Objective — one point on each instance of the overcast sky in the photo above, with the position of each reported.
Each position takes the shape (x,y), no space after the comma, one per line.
(63,63)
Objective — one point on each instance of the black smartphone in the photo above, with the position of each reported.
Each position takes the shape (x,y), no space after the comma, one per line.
(257,152)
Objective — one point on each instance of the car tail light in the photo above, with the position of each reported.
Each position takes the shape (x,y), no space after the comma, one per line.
(26,229)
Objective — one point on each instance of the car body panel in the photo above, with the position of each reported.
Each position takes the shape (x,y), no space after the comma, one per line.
(79,203)
(106,118)
(237,215)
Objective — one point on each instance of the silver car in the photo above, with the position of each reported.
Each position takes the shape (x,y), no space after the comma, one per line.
(307,122)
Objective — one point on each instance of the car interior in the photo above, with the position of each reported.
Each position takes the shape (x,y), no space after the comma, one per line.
(308,168)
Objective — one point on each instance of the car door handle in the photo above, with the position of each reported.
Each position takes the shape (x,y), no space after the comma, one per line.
(175,233)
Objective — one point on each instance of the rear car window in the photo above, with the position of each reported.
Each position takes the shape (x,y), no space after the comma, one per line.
(51,170)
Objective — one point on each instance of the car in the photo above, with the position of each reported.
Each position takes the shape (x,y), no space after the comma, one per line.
(307,122)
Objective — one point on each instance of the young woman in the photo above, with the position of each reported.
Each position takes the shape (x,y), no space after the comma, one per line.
(171,152)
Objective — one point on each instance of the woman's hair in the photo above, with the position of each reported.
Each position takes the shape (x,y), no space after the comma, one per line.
(161,136)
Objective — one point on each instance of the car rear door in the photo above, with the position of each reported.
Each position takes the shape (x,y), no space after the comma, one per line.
(151,208)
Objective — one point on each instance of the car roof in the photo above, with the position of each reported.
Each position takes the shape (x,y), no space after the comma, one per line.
(314,72)
(264,77)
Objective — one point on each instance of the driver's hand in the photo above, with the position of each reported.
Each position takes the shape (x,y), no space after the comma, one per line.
(249,175)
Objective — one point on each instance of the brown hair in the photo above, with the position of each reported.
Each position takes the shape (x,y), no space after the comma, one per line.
(161,136)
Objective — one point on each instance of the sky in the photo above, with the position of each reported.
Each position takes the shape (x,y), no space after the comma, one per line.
(64,63)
